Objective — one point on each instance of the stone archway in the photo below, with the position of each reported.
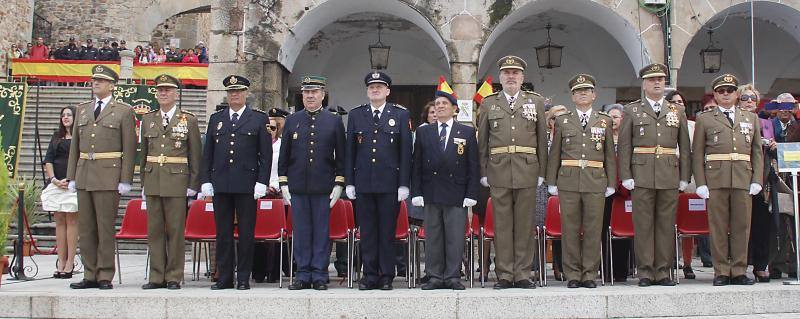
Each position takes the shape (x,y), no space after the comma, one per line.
(159,11)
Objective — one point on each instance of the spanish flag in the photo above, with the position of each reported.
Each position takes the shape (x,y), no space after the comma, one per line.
(444,87)
(484,91)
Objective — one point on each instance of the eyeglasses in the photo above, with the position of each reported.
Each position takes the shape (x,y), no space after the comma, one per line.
(724,90)
(748,97)
(273,127)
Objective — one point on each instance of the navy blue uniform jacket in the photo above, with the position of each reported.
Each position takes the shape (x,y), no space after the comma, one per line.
(311,159)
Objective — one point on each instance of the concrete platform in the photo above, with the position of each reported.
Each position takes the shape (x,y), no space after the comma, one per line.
(51,298)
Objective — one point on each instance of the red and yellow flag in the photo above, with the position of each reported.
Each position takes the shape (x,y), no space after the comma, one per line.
(444,87)
(484,91)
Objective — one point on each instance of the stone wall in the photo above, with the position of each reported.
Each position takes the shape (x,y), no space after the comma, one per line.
(16,22)
(189,28)
(96,19)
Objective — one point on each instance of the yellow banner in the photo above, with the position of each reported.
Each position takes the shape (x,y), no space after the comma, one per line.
(195,74)
(81,71)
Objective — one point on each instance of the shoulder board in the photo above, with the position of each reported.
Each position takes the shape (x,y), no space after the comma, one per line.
(400,106)
(603,113)
(259,110)
(223,109)
(494,93)
(563,114)
(532,92)
(153,111)
(707,111)
(360,106)
(86,102)
(187,112)
(635,102)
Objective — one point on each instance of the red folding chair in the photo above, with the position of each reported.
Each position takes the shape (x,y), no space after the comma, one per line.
(200,230)
(133,229)
(691,221)
(271,227)
(620,226)
(419,238)
(402,234)
(552,231)
(486,233)
(340,228)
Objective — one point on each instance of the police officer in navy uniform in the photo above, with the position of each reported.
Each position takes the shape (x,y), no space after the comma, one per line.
(310,172)
(236,164)
(378,171)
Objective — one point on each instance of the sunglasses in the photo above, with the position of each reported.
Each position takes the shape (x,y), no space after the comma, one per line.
(724,90)
(273,127)
(748,97)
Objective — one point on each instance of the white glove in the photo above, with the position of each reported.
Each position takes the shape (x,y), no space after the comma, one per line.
(287,198)
(485,181)
(207,189)
(190,192)
(402,193)
(259,190)
(610,191)
(71,186)
(468,202)
(628,184)
(335,194)
(540,182)
(123,188)
(418,201)
(552,190)
(702,191)
(201,196)
(755,188)
(143,198)
(682,185)
(350,190)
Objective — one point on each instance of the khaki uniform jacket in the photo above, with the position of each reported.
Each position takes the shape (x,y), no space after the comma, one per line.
(642,128)
(501,126)
(713,134)
(180,139)
(573,142)
(113,131)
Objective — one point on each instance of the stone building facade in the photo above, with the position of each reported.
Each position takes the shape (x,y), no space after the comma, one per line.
(16,22)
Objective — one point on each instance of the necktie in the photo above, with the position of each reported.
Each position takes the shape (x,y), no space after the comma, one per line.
(376,116)
(235,118)
(584,120)
(97,109)
(166,121)
(511,101)
(728,116)
(657,109)
(443,137)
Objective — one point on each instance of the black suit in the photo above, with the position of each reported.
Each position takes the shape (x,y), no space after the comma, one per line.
(235,158)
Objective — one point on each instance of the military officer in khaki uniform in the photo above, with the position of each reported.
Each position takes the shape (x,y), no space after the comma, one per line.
(101,160)
(727,164)
(582,172)
(171,154)
(654,163)
(512,143)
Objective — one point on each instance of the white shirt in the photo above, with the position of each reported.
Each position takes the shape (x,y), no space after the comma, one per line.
(102,106)
(653,103)
(508,97)
(732,112)
(273,175)
(379,109)
(439,130)
(231,112)
(588,114)
(168,114)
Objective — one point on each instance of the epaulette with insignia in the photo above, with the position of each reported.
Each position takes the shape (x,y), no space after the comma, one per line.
(190,113)
(400,106)
(152,111)
(706,111)
(494,93)
(534,93)
(86,102)
(360,106)
(565,113)
(603,113)
(223,109)
(259,111)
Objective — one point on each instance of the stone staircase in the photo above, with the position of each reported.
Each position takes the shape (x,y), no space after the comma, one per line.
(45,103)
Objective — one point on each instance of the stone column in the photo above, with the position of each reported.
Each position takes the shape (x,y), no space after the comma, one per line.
(465,77)
(225,48)
(269,89)
(126,64)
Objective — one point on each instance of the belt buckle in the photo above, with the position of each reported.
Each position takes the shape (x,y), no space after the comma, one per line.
(659,150)
(162,159)
(583,163)
(512,149)
(736,157)
(90,155)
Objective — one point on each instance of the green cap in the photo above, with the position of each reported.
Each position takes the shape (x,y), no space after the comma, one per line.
(103,72)
(725,80)
(313,82)
(581,81)
(166,80)
(512,62)
(653,70)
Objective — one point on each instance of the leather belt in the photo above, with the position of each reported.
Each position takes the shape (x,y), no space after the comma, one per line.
(97,156)
(728,157)
(161,160)
(511,149)
(582,163)
(658,150)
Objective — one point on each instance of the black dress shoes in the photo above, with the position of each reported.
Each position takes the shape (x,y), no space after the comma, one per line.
(363,285)
(573,284)
(84,284)
(525,284)
(105,285)
(173,285)
(243,285)
(742,280)
(320,285)
(386,286)
(456,285)
(665,282)
(688,273)
(762,278)
(300,285)
(152,285)
(589,284)
(503,284)
(221,286)
(645,282)
(722,280)
(433,284)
